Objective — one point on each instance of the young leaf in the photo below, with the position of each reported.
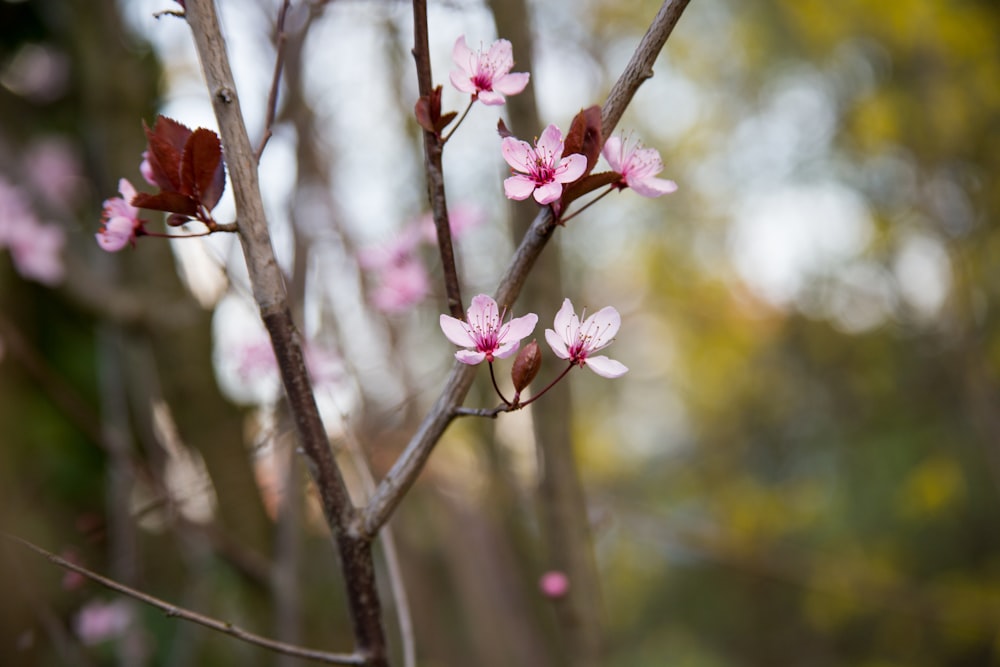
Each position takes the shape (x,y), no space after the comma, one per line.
(584,136)
(169,202)
(166,142)
(588,183)
(202,174)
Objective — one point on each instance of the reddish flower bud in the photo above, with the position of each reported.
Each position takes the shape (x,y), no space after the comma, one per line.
(526,366)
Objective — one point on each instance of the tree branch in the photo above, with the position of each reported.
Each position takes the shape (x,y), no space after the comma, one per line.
(408,466)
(433,146)
(194,617)
(270,294)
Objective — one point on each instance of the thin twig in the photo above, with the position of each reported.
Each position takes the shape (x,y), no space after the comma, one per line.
(433,146)
(408,466)
(192,616)
(272,95)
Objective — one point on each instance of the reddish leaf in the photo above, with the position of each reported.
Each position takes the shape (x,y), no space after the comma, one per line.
(165,146)
(445,120)
(176,219)
(502,129)
(170,202)
(428,112)
(202,172)
(422,110)
(584,136)
(588,183)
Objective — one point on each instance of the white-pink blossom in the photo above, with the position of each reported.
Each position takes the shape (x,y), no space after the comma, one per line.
(570,339)
(543,169)
(485,332)
(487,76)
(120,223)
(37,252)
(402,285)
(638,167)
(100,621)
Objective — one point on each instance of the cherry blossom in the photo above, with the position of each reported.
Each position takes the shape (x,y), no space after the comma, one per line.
(485,332)
(543,169)
(100,621)
(35,248)
(554,584)
(402,285)
(638,167)
(487,76)
(577,342)
(120,223)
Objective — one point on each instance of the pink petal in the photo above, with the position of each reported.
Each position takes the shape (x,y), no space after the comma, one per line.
(603,326)
(463,56)
(557,344)
(127,190)
(491,98)
(612,152)
(548,193)
(511,84)
(501,54)
(483,307)
(470,357)
(462,82)
(550,143)
(605,367)
(566,322)
(507,349)
(518,154)
(652,187)
(571,168)
(456,331)
(518,187)
(520,327)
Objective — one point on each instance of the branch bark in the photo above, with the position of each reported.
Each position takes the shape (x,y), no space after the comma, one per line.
(269,292)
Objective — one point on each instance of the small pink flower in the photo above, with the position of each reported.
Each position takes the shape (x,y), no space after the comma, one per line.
(638,167)
(543,168)
(120,223)
(402,285)
(461,219)
(100,621)
(485,332)
(577,342)
(487,76)
(36,250)
(554,584)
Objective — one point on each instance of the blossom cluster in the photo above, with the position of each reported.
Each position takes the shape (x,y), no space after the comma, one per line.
(35,247)
(487,336)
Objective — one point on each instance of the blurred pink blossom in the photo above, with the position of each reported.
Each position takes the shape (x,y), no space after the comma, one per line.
(52,168)
(543,169)
(487,76)
(34,247)
(401,286)
(100,621)
(461,219)
(638,167)
(146,170)
(485,332)
(554,584)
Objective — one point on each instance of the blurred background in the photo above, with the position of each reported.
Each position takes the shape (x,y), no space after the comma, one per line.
(801,468)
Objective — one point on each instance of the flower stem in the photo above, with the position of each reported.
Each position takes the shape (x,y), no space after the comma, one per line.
(549,385)
(445,138)
(496,387)
(587,205)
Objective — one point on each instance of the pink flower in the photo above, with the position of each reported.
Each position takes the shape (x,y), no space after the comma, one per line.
(99,621)
(554,584)
(120,223)
(577,342)
(461,219)
(36,250)
(402,285)
(485,333)
(487,76)
(543,168)
(638,167)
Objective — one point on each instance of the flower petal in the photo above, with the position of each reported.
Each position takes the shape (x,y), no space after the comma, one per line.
(491,98)
(518,154)
(483,308)
(463,56)
(557,344)
(501,56)
(652,186)
(612,152)
(456,331)
(571,168)
(520,327)
(507,349)
(462,82)
(605,367)
(550,143)
(566,322)
(511,84)
(518,187)
(470,357)
(548,193)
(601,328)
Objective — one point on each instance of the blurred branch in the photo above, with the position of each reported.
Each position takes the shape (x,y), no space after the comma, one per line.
(270,294)
(272,97)
(433,147)
(408,466)
(194,617)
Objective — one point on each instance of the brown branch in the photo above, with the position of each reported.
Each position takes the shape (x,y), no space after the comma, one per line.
(433,147)
(279,62)
(408,466)
(188,615)
(270,294)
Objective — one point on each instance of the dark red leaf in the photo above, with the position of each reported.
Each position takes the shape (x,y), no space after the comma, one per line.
(502,129)
(584,136)
(445,119)
(165,146)
(422,110)
(588,183)
(202,173)
(176,219)
(170,202)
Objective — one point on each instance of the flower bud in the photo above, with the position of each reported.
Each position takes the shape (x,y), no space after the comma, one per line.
(526,366)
